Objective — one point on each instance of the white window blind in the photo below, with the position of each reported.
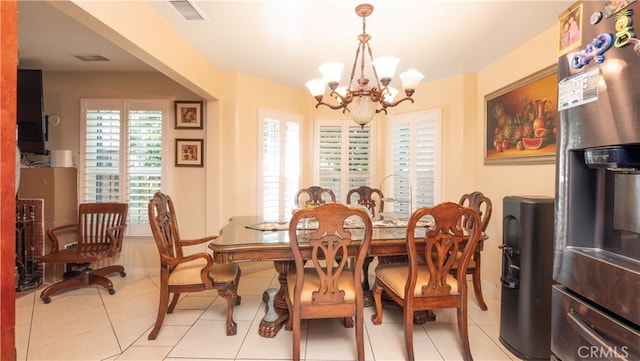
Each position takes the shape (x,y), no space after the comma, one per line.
(121,155)
(343,156)
(280,162)
(415,159)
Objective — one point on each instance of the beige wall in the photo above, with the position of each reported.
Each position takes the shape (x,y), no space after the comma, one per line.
(498,181)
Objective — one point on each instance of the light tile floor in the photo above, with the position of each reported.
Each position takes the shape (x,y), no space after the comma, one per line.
(90,324)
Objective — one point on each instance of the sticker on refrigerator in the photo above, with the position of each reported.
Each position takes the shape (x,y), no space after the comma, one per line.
(578,89)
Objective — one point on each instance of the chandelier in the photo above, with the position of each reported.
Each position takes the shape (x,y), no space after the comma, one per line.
(365,101)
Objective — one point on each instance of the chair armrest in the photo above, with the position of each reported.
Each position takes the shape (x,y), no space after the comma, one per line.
(174,261)
(51,232)
(116,242)
(204,271)
(193,242)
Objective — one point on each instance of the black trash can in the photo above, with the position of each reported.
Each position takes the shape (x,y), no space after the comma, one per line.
(527,271)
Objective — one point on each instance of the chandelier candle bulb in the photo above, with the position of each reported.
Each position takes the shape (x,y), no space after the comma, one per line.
(365,98)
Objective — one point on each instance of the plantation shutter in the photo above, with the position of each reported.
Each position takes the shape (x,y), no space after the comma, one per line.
(415,160)
(280,162)
(343,156)
(121,155)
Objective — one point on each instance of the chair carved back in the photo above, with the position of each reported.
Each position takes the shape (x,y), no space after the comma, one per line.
(330,243)
(367,198)
(164,227)
(477,201)
(315,196)
(100,223)
(443,241)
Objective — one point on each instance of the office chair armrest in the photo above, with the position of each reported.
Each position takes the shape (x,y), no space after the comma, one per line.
(193,242)
(116,241)
(51,232)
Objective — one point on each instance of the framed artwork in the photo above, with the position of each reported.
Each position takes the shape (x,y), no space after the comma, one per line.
(188,114)
(611,7)
(569,30)
(521,120)
(189,152)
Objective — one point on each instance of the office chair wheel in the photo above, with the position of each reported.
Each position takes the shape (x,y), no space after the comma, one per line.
(46,300)
(111,291)
(122,274)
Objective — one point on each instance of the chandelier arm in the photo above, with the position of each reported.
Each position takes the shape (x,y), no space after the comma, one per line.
(386,105)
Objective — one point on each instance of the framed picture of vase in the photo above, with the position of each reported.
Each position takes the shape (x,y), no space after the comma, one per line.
(521,121)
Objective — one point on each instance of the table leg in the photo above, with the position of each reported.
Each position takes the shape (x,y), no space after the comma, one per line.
(277,313)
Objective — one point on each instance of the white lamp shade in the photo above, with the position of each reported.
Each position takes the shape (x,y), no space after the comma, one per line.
(331,71)
(390,94)
(362,109)
(411,78)
(315,86)
(342,90)
(386,67)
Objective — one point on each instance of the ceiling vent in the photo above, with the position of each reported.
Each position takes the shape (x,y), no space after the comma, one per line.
(91,58)
(187,9)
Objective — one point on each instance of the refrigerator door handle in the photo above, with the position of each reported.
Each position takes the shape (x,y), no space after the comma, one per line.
(588,332)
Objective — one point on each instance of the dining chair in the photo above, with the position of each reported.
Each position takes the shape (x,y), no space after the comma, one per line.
(313,197)
(371,198)
(97,235)
(328,288)
(181,272)
(482,205)
(429,285)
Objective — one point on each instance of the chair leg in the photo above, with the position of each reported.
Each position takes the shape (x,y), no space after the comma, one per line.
(174,302)
(360,332)
(105,271)
(294,318)
(407,315)
(162,309)
(463,330)
(477,288)
(376,318)
(230,295)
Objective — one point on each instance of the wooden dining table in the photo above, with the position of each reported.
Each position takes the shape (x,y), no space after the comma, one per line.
(254,239)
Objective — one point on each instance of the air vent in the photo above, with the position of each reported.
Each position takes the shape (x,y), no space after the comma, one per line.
(187,9)
(91,58)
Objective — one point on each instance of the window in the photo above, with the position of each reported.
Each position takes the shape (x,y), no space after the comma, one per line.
(279,176)
(415,159)
(121,155)
(343,153)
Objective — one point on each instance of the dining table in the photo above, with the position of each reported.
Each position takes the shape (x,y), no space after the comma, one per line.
(255,239)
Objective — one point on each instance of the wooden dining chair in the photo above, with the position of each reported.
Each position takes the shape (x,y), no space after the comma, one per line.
(327,288)
(313,197)
(371,198)
(428,285)
(482,205)
(98,235)
(180,272)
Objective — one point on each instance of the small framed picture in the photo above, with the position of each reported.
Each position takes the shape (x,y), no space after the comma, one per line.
(189,152)
(188,114)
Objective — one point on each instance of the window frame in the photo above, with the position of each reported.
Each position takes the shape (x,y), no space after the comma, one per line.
(344,124)
(124,106)
(283,118)
(435,116)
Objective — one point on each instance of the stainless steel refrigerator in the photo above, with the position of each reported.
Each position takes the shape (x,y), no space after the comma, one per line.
(596,305)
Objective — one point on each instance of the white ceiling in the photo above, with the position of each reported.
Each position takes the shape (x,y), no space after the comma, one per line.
(286,41)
